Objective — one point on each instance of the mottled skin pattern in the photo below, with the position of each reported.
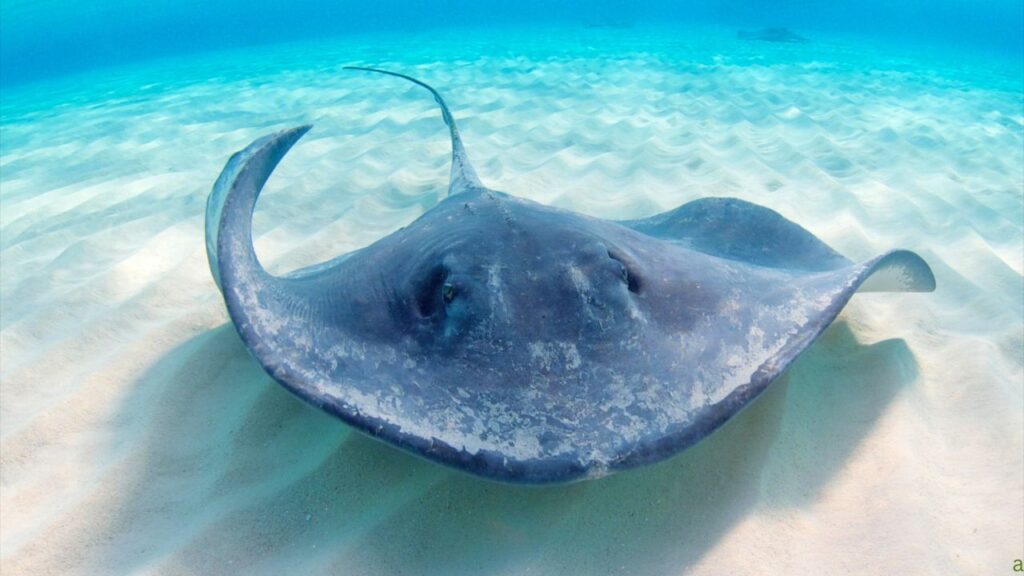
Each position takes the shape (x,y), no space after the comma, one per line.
(530,344)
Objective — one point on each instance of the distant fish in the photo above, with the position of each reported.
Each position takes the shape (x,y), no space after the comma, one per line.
(772,35)
(526,343)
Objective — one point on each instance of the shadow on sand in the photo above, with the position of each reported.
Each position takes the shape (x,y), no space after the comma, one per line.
(234,475)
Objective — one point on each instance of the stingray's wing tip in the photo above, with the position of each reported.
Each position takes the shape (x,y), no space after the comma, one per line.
(899,271)
(293,134)
(241,181)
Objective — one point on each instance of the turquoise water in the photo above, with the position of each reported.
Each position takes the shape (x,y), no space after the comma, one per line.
(44,39)
(139,436)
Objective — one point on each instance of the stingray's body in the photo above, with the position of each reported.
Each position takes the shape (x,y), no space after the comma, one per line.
(530,344)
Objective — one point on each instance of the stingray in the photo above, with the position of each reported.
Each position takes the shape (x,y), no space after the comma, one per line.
(526,343)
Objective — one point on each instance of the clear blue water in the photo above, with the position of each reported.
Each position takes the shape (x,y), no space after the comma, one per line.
(48,38)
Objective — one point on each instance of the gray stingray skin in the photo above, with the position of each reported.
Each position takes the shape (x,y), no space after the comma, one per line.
(524,343)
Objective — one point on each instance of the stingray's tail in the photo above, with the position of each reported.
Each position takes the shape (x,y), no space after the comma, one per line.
(463,176)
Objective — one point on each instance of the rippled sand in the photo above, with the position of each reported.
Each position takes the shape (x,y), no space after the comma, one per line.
(139,436)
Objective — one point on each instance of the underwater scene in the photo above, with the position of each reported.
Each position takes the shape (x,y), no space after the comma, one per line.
(641,288)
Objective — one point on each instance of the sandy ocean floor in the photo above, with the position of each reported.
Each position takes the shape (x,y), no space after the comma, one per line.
(138,436)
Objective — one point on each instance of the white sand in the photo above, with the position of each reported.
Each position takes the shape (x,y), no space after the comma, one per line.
(138,436)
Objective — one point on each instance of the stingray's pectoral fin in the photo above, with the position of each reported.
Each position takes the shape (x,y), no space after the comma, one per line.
(739,230)
(230,206)
(819,298)
(823,295)
(782,331)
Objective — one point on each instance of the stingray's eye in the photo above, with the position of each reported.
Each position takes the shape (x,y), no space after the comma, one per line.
(428,289)
(447,292)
